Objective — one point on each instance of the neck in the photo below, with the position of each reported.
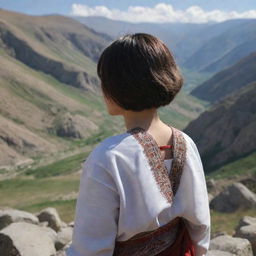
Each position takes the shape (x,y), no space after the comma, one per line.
(145,119)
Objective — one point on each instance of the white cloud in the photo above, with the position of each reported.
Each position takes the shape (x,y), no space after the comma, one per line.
(161,13)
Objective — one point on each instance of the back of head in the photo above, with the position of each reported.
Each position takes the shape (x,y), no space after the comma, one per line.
(138,72)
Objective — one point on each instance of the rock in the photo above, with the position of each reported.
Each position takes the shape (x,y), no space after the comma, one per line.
(61,253)
(63,224)
(75,126)
(26,239)
(63,237)
(237,246)
(43,224)
(210,197)
(250,183)
(212,187)
(219,233)
(9,216)
(71,224)
(52,217)
(248,232)
(246,220)
(233,197)
(219,253)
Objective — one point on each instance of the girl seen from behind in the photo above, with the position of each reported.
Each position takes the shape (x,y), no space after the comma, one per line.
(142,192)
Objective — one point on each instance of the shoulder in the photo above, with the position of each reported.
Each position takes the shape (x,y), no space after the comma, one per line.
(192,152)
(109,148)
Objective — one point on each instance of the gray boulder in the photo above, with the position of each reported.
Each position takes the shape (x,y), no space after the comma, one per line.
(233,197)
(63,237)
(25,239)
(212,187)
(248,232)
(246,220)
(9,216)
(219,253)
(52,217)
(235,245)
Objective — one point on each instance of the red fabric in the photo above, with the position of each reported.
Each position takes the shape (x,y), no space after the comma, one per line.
(183,245)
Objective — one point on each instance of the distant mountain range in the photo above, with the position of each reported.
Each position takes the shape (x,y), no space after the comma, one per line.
(198,47)
(50,99)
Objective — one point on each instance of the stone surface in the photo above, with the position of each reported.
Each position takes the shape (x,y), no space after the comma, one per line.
(233,197)
(63,237)
(235,245)
(248,232)
(246,220)
(212,187)
(9,216)
(26,239)
(219,253)
(52,217)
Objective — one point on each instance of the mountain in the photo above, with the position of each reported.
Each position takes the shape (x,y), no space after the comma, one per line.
(226,132)
(199,47)
(49,91)
(50,100)
(228,81)
(221,50)
(173,34)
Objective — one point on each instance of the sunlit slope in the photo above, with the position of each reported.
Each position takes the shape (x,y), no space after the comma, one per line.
(228,81)
(50,100)
(226,132)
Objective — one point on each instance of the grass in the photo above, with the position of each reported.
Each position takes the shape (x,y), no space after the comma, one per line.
(228,221)
(26,192)
(245,165)
(63,166)
(65,208)
(192,79)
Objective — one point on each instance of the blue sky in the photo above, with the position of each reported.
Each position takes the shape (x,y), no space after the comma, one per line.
(179,8)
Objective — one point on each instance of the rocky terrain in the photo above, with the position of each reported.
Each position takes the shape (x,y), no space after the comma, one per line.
(202,47)
(45,234)
(50,98)
(226,132)
(228,81)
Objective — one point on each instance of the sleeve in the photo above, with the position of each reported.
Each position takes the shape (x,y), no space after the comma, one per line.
(96,215)
(193,199)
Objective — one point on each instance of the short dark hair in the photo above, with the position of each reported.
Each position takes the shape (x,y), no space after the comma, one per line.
(138,71)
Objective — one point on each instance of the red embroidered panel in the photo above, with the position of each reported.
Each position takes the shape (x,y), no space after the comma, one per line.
(179,157)
(168,184)
(155,161)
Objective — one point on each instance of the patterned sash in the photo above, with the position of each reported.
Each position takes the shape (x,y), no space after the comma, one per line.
(173,238)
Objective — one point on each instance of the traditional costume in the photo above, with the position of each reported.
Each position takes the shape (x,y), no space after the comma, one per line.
(132,202)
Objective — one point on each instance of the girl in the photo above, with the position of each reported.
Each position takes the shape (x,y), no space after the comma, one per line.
(142,192)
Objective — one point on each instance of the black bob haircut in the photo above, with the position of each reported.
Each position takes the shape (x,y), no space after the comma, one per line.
(137,72)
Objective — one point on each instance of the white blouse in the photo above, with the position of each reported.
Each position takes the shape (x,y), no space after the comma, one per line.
(119,198)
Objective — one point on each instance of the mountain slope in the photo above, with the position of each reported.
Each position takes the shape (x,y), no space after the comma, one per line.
(227,131)
(56,45)
(228,81)
(50,101)
(224,45)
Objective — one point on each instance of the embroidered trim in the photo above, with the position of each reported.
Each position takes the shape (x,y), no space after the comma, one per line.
(179,157)
(168,184)
(155,161)
(155,242)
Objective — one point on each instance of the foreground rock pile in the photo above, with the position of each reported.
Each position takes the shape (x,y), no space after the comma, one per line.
(25,234)
(45,234)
